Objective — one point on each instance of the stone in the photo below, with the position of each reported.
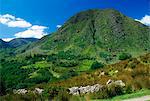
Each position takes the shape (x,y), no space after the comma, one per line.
(38,90)
(74,90)
(20,91)
(109,82)
(120,83)
(84,90)
(102,73)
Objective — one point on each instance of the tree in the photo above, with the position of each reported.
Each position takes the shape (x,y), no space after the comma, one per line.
(124,56)
(2,87)
(97,65)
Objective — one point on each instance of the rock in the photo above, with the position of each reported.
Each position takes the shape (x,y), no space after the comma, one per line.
(38,90)
(84,90)
(20,91)
(102,73)
(94,88)
(109,82)
(116,71)
(74,90)
(120,83)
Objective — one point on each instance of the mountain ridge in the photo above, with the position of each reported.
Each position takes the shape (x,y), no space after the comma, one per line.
(107,30)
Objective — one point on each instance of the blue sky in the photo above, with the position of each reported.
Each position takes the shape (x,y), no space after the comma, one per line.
(36,18)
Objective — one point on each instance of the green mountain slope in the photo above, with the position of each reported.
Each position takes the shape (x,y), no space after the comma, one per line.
(92,31)
(7,49)
(89,40)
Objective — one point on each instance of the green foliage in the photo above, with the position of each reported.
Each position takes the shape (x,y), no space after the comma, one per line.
(65,63)
(104,55)
(102,94)
(66,55)
(69,74)
(2,87)
(114,90)
(124,56)
(97,65)
(43,76)
(108,92)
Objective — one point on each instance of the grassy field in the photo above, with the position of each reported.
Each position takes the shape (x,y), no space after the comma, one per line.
(140,93)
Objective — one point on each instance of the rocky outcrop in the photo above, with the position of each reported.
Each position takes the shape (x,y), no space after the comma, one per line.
(84,90)
(38,91)
(24,91)
(94,88)
(118,82)
(20,91)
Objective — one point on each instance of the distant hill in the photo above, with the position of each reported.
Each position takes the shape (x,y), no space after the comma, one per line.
(17,42)
(3,44)
(21,41)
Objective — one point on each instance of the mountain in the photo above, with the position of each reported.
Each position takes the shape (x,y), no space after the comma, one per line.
(3,44)
(93,39)
(93,31)
(21,41)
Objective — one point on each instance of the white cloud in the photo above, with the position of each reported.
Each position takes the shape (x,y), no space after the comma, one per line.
(12,21)
(7,39)
(35,31)
(58,26)
(19,23)
(145,20)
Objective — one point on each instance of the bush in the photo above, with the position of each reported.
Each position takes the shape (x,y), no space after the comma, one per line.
(97,65)
(102,94)
(2,87)
(114,90)
(67,63)
(69,74)
(104,55)
(124,56)
(63,96)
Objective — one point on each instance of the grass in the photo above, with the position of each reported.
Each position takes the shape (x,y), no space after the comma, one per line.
(140,93)
(86,64)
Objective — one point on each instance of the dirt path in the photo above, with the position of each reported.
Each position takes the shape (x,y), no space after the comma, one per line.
(143,98)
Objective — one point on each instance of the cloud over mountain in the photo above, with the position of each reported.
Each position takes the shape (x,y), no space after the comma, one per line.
(145,20)
(35,31)
(12,21)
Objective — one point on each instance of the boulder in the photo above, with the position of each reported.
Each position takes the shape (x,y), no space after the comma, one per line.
(38,90)
(20,91)
(118,82)
(74,91)
(84,90)
(109,82)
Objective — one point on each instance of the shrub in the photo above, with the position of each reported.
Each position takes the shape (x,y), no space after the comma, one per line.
(104,55)
(67,63)
(69,74)
(102,94)
(63,96)
(124,56)
(114,90)
(97,65)
(2,87)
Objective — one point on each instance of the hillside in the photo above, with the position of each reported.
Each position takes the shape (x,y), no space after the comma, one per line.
(93,31)
(88,43)
(133,72)
(3,44)
(21,41)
